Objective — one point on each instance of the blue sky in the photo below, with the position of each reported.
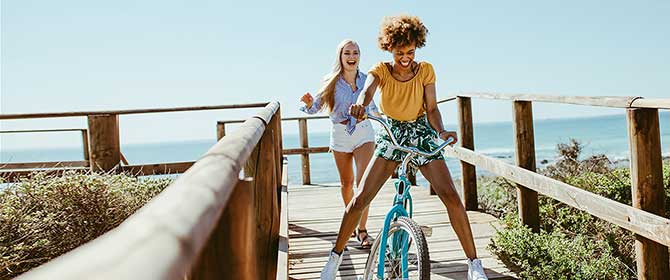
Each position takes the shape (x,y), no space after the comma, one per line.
(90,55)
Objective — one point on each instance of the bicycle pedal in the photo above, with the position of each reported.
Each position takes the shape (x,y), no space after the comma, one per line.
(427,231)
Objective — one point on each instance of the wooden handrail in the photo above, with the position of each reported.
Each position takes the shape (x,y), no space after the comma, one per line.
(638,221)
(652,231)
(602,101)
(43,164)
(43,130)
(127,112)
(164,239)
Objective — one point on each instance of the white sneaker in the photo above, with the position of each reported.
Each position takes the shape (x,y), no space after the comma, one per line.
(475,270)
(332,266)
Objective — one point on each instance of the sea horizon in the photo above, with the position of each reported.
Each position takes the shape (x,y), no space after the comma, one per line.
(603,134)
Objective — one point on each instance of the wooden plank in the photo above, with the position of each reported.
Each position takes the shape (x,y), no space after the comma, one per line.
(266,203)
(158,168)
(164,238)
(648,191)
(641,222)
(283,254)
(604,101)
(314,221)
(312,150)
(84,144)
(450,98)
(44,164)
(284,119)
(105,153)
(652,103)
(304,143)
(16,175)
(42,130)
(524,153)
(127,112)
(467,140)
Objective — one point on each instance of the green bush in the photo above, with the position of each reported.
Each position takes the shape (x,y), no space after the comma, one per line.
(572,244)
(556,255)
(44,216)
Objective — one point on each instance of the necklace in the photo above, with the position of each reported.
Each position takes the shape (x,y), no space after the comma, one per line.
(351,84)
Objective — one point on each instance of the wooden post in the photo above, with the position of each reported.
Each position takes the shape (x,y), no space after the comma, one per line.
(275,125)
(646,166)
(230,251)
(467,140)
(105,153)
(220,130)
(524,143)
(261,166)
(304,143)
(84,143)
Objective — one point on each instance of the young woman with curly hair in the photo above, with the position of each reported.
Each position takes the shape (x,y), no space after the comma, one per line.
(408,99)
(351,140)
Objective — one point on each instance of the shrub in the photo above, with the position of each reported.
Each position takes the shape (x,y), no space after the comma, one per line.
(44,216)
(572,244)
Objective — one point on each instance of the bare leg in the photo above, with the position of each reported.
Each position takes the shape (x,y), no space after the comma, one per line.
(343,161)
(374,177)
(362,157)
(437,173)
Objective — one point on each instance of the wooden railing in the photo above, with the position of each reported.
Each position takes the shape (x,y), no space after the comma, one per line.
(101,143)
(642,218)
(208,224)
(56,164)
(304,151)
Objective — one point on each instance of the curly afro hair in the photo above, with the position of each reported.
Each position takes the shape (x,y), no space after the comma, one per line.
(401,31)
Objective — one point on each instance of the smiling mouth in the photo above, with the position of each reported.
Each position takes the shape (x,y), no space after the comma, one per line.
(351,62)
(404,63)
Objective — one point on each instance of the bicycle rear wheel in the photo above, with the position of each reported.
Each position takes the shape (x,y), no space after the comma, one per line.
(403,231)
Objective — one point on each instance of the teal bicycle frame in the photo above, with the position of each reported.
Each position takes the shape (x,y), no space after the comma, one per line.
(402,205)
(399,243)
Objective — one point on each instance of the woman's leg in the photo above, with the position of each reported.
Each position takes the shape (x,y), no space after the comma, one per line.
(374,177)
(437,173)
(362,157)
(343,161)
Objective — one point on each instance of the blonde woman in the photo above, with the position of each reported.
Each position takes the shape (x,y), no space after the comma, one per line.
(351,140)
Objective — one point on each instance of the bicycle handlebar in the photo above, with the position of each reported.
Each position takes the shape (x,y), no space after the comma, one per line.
(412,150)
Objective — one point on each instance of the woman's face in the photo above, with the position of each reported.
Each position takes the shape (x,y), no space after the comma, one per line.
(403,56)
(350,57)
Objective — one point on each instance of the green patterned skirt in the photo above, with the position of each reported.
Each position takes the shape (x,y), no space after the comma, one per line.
(416,133)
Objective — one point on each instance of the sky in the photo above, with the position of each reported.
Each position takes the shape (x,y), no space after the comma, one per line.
(102,55)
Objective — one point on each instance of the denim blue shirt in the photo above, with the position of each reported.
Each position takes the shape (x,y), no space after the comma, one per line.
(344,98)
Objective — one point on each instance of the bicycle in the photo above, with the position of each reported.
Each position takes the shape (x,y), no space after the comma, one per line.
(400,233)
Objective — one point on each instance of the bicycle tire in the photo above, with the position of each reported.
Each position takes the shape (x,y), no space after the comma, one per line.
(421,270)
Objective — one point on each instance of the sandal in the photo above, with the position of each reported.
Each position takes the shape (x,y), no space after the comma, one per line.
(366,241)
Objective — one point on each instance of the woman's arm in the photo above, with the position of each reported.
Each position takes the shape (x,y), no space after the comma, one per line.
(358,110)
(433,113)
(311,105)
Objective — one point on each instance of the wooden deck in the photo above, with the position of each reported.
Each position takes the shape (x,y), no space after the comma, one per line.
(314,217)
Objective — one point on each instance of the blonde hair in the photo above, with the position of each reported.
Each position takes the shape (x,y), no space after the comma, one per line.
(327,90)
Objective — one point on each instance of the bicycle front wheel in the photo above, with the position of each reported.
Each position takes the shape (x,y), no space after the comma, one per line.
(405,244)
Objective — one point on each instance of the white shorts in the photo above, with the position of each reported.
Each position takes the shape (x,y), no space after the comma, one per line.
(341,141)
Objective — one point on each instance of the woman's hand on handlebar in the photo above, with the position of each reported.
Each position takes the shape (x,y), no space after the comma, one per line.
(445,134)
(357,111)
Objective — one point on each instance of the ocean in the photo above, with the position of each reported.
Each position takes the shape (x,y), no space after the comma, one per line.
(600,135)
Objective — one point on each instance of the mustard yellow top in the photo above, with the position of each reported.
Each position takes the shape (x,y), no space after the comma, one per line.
(403,101)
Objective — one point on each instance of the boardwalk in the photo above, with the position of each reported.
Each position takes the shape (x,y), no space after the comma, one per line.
(315,213)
